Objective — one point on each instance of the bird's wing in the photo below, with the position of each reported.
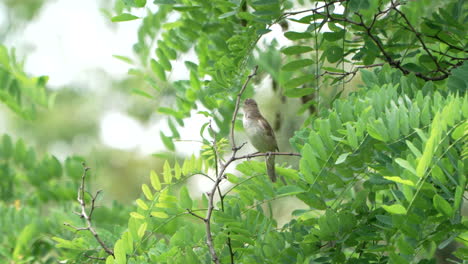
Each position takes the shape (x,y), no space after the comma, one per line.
(268,131)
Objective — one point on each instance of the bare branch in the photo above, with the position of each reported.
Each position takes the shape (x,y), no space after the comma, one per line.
(83,214)
(352,73)
(236,108)
(76,228)
(418,36)
(220,176)
(194,214)
(312,10)
(249,156)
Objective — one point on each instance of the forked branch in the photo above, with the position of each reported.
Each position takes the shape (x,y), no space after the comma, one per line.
(87,216)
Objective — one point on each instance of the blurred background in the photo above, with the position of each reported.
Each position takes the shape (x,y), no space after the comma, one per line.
(97,114)
(94,116)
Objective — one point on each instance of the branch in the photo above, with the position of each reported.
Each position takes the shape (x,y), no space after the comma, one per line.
(194,214)
(83,214)
(220,176)
(387,56)
(313,10)
(353,72)
(218,160)
(436,36)
(236,108)
(418,36)
(249,156)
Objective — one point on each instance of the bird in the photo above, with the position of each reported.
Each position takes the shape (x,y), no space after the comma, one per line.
(260,134)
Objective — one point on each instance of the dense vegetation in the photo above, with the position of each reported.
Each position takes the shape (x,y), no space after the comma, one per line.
(377,168)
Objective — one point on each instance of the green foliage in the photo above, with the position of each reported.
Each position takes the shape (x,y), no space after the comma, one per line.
(22,94)
(33,192)
(382,171)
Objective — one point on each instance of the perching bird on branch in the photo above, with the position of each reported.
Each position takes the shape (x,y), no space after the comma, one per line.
(260,134)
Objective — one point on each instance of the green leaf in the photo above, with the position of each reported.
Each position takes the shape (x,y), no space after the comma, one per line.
(289,190)
(167,172)
(319,148)
(334,53)
(158,70)
(438,174)
(297,64)
(173,128)
(368,77)
(20,151)
(6,147)
(177,171)
(142,93)
(308,163)
(333,36)
(405,164)
(399,180)
(377,130)
(292,50)
(351,136)
(155,180)
(460,131)
(171,112)
(163,60)
(232,178)
(23,239)
(77,244)
(413,149)
(147,192)
(228,14)
(142,230)
(404,246)
(293,83)
(159,215)
(110,260)
(167,141)
(457,80)
(395,209)
(124,59)
(298,92)
(356,5)
(119,252)
(458,197)
(442,206)
(164,2)
(185,200)
(123,17)
(140,3)
(194,82)
(342,158)
(291,35)
(136,215)
(142,204)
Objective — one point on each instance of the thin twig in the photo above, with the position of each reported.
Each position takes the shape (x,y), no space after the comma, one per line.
(418,36)
(261,154)
(353,72)
(194,214)
(220,175)
(218,163)
(313,10)
(87,217)
(375,38)
(236,108)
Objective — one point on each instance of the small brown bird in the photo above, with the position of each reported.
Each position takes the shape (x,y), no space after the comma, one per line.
(260,134)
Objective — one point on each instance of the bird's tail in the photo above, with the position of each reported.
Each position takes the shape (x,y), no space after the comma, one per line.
(270,164)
